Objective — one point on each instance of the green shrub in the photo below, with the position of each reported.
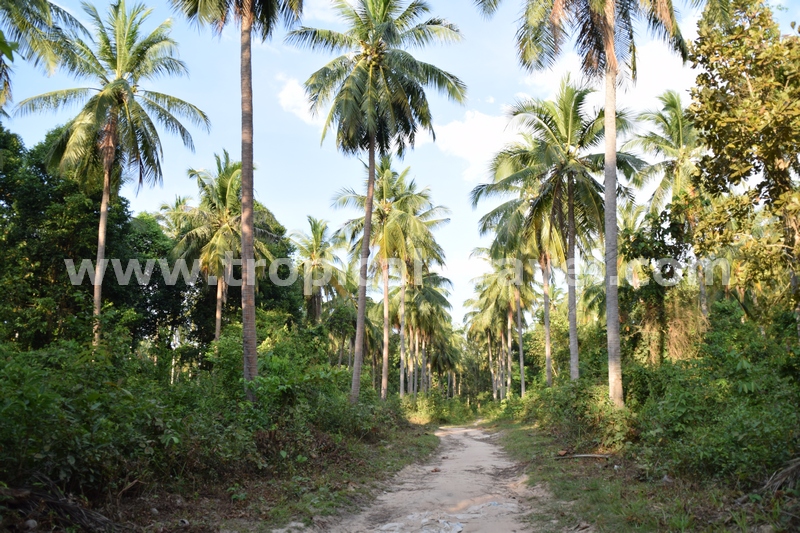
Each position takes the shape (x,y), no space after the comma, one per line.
(93,422)
(731,412)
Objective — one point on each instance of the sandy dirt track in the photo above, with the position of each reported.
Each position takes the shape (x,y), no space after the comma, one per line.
(469,486)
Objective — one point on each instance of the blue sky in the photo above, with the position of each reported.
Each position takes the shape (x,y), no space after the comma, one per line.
(296,176)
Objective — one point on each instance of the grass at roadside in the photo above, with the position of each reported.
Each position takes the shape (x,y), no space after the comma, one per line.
(343,482)
(610,496)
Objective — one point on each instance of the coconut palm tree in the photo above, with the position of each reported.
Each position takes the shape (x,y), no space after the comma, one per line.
(480,326)
(427,295)
(213,229)
(377,93)
(402,224)
(562,132)
(322,268)
(260,17)
(497,289)
(117,121)
(604,33)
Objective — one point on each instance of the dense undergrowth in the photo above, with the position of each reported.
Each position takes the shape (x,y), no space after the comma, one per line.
(95,421)
(731,414)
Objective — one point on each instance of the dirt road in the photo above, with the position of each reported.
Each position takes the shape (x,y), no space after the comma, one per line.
(469,486)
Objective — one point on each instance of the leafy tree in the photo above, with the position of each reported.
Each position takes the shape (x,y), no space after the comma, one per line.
(377,93)
(747,111)
(46,218)
(116,122)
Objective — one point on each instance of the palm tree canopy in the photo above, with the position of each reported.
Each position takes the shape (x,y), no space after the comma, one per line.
(214,233)
(403,219)
(266,14)
(376,86)
(316,251)
(555,146)
(545,26)
(672,138)
(33,29)
(119,59)
(172,217)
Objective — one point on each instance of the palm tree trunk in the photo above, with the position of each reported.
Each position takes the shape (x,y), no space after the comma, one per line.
(341,353)
(612,297)
(424,368)
(385,368)
(108,147)
(415,381)
(101,253)
(362,277)
(501,363)
(519,340)
(491,364)
(510,338)
(574,369)
(544,261)
(218,315)
(402,332)
(248,258)
(316,305)
(350,354)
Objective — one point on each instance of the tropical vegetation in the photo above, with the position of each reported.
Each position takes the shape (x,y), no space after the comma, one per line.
(637,294)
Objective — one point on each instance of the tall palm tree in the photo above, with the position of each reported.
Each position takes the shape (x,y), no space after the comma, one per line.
(510,222)
(213,229)
(402,224)
(117,121)
(377,91)
(561,134)
(604,34)
(34,30)
(480,326)
(321,266)
(261,17)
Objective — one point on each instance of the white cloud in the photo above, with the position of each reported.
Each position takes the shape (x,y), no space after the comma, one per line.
(320,10)
(461,271)
(490,100)
(659,70)
(292,98)
(544,84)
(474,139)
